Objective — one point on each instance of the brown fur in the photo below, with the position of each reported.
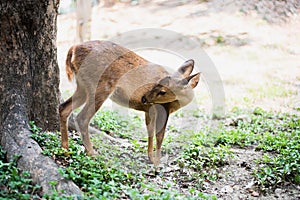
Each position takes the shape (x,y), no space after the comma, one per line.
(104,69)
(69,67)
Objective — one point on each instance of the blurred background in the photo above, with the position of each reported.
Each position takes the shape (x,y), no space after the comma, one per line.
(255,45)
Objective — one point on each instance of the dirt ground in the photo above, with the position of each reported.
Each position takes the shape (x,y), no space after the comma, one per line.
(256,56)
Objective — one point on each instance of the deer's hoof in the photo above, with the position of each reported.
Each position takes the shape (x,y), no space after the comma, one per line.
(92,153)
(67,154)
(65,146)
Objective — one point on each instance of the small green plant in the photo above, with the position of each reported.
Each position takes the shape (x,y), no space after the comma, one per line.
(112,122)
(203,156)
(277,134)
(123,173)
(284,166)
(108,121)
(105,176)
(275,170)
(15,184)
(164,193)
(200,158)
(91,174)
(220,39)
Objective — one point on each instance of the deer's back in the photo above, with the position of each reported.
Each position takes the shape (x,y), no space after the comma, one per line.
(112,67)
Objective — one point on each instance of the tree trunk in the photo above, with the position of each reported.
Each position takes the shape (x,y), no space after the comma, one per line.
(29,80)
(28,58)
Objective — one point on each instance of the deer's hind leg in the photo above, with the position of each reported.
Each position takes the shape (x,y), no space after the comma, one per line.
(95,99)
(65,110)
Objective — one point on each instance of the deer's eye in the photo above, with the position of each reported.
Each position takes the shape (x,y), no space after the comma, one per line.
(162,92)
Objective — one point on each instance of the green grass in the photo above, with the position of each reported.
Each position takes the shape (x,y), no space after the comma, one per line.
(278,136)
(269,91)
(91,174)
(112,122)
(115,173)
(15,184)
(123,172)
(205,161)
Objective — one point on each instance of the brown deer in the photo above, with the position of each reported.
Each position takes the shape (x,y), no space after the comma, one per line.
(104,69)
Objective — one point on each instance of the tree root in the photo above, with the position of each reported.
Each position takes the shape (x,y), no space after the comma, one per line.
(16,140)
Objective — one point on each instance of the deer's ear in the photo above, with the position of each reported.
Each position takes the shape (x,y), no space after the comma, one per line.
(165,81)
(186,68)
(192,80)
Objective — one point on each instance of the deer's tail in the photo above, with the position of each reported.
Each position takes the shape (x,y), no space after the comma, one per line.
(70,68)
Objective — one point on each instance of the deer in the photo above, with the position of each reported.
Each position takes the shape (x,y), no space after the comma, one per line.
(103,69)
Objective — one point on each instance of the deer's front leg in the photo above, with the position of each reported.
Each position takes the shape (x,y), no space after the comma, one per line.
(159,140)
(150,149)
(161,123)
(156,121)
(150,129)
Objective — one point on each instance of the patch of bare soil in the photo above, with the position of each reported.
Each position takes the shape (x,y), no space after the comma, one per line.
(237,180)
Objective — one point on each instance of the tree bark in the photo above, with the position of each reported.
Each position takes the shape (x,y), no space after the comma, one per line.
(28,58)
(29,80)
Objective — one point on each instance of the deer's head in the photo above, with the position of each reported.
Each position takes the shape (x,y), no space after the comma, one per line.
(176,87)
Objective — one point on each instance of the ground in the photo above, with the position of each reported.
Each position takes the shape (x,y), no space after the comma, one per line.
(256,56)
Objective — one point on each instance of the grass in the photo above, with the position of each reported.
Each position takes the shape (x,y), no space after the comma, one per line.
(91,174)
(205,160)
(278,136)
(113,123)
(123,172)
(15,184)
(115,173)
(269,91)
